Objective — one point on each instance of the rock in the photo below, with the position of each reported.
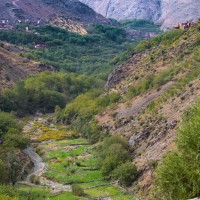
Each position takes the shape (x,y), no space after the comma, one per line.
(104,198)
(172,125)
(139,137)
(46,123)
(167,12)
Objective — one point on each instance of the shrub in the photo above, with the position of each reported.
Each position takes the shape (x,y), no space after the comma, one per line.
(77,190)
(7,191)
(179,175)
(113,153)
(126,174)
(34,179)
(107,144)
(7,121)
(153,163)
(6,197)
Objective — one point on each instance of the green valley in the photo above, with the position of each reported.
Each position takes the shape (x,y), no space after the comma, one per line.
(67,134)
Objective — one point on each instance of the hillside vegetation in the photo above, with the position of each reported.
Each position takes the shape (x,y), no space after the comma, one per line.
(130,127)
(84,54)
(44,91)
(71,52)
(154,86)
(178,176)
(14,67)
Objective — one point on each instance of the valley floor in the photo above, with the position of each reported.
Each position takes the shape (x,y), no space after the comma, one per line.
(67,161)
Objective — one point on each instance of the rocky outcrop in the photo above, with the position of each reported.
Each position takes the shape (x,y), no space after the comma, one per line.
(166,12)
(138,9)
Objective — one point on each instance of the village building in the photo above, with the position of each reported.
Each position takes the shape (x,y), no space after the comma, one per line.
(40,46)
(184,26)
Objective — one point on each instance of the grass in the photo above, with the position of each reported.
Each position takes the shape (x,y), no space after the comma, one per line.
(38,193)
(111,191)
(78,166)
(174,90)
(74,166)
(56,135)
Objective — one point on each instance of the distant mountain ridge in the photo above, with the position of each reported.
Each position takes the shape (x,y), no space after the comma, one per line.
(166,12)
(47,12)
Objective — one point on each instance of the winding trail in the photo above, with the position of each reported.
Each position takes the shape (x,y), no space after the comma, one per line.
(37,161)
(40,168)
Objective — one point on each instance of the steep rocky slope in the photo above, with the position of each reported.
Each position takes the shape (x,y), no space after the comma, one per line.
(167,12)
(70,12)
(14,67)
(157,85)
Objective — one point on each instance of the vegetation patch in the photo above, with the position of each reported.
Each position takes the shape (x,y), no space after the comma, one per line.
(178,176)
(114,161)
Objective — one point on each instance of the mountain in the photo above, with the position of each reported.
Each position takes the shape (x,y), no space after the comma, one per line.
(14,68)
(62,13)
(145,99)
(166,12)
(158,83)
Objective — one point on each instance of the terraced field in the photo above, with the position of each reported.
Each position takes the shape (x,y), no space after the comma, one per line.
(68,161)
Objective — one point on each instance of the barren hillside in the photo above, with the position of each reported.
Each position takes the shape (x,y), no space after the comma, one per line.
(14,67)
(70,13)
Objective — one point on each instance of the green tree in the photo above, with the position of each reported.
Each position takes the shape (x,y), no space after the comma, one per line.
(7,121)
(178,177)
(14,168)
(126,174)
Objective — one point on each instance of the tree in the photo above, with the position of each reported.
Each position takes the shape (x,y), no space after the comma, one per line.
(178,177)
(3,173)
(14,168)
(126,174)
(113,152)
(7,121)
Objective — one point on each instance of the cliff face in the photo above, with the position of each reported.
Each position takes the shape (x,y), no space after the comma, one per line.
(157,85)
(167,12)
(126,9)
(174,11)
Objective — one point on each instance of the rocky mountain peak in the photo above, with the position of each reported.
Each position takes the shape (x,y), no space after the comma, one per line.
(166,12)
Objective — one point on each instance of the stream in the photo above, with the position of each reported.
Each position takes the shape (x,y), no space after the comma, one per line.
(39,166)
(39,169)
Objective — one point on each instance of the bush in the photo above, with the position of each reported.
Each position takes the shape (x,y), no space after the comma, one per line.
(44,91)
(7,121)
(6,197)
(179,175)
(12,139)
(79,113)
(7,191)
(35,179)
(113,153)
(77,190)
(126,174)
